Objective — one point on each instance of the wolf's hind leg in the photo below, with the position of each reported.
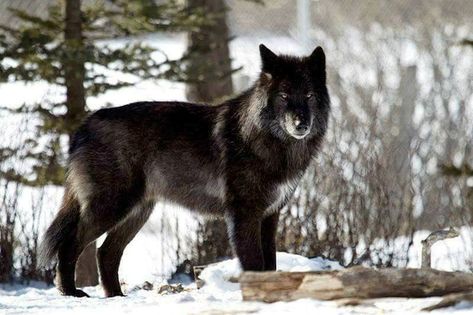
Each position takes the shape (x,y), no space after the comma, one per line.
(111,251)
(94,220)
(61,241)
(69,253)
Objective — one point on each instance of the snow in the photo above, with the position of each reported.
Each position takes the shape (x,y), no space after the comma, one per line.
(216,297)
(216,275)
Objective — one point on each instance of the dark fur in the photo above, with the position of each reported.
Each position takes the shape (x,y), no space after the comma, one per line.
(240,160)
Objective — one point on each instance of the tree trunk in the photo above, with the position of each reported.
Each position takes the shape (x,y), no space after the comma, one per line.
(209,67)
(74,68)
(7,239)
(356,282)
(87,272)
(209,70)
(74,74)
(212,242)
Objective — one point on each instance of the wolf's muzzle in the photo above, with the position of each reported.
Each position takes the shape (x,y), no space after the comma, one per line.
(295,127)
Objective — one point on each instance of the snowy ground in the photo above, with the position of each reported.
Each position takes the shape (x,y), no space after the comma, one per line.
(218,296)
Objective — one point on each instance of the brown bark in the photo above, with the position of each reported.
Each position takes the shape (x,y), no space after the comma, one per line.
(209,66)
(6,249)
(74,66)
(451,300)
(431,240)
(74,75)
(86,270)
(356,282)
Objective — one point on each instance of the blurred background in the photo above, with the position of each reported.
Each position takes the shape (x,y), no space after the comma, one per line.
(397,161)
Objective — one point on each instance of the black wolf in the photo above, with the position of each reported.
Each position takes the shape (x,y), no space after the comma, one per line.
(240,160)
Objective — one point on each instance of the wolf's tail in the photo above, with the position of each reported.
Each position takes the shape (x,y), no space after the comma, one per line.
(64,227)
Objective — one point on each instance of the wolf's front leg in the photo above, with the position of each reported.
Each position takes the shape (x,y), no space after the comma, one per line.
(269,229)
(245,236)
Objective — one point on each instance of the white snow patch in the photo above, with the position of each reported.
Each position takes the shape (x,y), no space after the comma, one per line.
(216,276)
(216,297)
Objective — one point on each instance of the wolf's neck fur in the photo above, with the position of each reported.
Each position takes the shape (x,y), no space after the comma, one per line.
(252,102)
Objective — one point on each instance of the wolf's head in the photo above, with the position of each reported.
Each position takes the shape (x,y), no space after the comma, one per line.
(297,101)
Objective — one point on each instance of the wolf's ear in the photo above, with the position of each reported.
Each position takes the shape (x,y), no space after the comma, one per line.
(268,59)
(317,62)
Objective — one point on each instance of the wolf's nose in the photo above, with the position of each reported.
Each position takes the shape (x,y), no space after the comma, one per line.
(302,128)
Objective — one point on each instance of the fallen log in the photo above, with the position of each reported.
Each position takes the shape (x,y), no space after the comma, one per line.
(356,282)
(431,240)
(451,300)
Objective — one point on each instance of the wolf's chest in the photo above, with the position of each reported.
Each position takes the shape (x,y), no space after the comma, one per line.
(280,194)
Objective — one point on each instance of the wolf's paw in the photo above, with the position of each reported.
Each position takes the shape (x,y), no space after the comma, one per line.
(110,294)
(76,293)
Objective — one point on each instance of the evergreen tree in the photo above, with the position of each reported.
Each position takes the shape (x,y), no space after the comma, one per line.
(62,49)
(56,49)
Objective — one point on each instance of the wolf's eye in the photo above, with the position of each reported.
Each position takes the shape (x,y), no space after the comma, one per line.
(309,95)
(283,96)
